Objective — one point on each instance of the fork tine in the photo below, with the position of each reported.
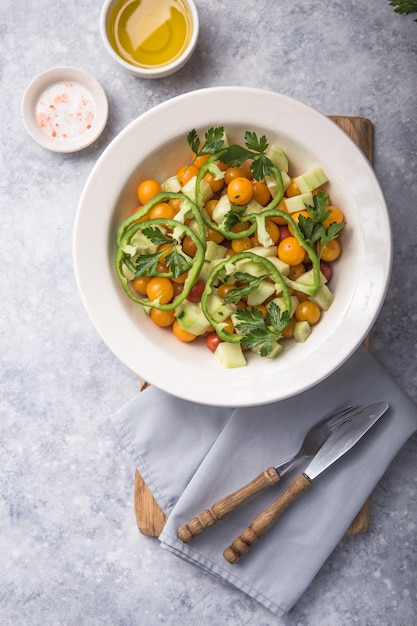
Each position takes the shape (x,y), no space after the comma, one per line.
(342,416)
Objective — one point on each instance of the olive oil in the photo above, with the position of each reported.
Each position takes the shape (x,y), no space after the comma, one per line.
(150,33)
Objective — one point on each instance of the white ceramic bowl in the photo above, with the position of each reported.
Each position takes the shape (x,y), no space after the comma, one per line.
(153,146)
(64,109)
(169,30)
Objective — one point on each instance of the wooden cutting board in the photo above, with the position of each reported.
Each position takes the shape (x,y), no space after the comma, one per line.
(149,516)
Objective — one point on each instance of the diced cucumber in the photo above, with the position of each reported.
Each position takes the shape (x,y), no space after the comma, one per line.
(280,302)
(323,298)
(221,209)
(308,278)
(283,268)
(189,189)
(230,355)
(172,185)
(311,180)
(278,157)
(190,317)
(218,309)
(272,184)
(276,349)
(214,251)
(298,203)
(250,267)
(253,207)
(302,331)
(265,252)
(263,291)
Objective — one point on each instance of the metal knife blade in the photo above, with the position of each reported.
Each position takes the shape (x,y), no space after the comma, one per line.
(344,438)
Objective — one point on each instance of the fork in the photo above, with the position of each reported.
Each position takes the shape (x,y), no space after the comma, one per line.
(313,441)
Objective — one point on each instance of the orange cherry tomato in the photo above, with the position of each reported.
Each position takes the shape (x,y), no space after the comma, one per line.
(233,172)
(181,334)
(292,189)
(147,190)
(261,192)
(288,331)
(200,160)
(162,318)
(246,166)
(213,235)
(160,288)
(209,206)
(224,289)
(139,284)
(186,173)
(189,246)
(331,251)
(240,191)
(240,245)
(307,311)
(162,210)
(296,271)
(336,215)
(290,251)
(215,185)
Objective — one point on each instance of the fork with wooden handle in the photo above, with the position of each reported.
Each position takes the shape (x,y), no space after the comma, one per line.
(313,440)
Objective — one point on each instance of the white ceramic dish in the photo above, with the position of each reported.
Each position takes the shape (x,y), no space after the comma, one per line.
(153,13)
(153,146)
(64,109)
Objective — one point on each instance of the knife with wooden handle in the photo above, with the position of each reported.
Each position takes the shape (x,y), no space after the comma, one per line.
(339,442)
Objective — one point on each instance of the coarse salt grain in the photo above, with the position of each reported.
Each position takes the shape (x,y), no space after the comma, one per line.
(65,110)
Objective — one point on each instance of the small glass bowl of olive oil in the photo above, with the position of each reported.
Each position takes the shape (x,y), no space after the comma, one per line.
(151,38)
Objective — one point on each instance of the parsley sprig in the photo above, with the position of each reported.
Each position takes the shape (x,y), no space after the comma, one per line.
(176,261)
(255,150)
(259,332)
(214,140)
(234,216)
(248,284)
(404,6)
(312,227)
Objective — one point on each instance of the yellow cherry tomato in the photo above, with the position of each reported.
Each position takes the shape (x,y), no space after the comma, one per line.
(186,173)
(280,220)
(215,185)
(240,245)
(162,318)
(200,160)
(213,235)
(261,192)
(160,288)
(292,189)
(147,190)
(336,215)
(233,172)
(331,251)
(162,210)
(288,331)
(307,311)
(181,334)
(296,271)
(189,246)
(290,251)
(139,284)
(240,191)
(209,206)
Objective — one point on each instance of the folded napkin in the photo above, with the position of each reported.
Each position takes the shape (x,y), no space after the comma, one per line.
(191,455)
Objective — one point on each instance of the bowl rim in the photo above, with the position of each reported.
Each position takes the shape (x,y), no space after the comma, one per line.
(157,72)
(243,391)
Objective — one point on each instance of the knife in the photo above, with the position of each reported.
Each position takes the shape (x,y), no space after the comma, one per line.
(336,446)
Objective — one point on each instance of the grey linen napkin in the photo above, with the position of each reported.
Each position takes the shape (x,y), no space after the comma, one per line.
(221,450)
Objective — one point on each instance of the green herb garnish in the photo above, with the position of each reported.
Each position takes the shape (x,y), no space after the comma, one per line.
(259,332)
(214,140)
(176,261)
(312,227)
(249,284)
(261,165)
(404,6)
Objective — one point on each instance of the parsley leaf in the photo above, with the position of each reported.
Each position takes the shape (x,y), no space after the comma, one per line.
(234,216)
(176,261)
(214,140)
(156,235)
(312,227)
(250,283)
(404,6)
(259,332)
(255,149)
